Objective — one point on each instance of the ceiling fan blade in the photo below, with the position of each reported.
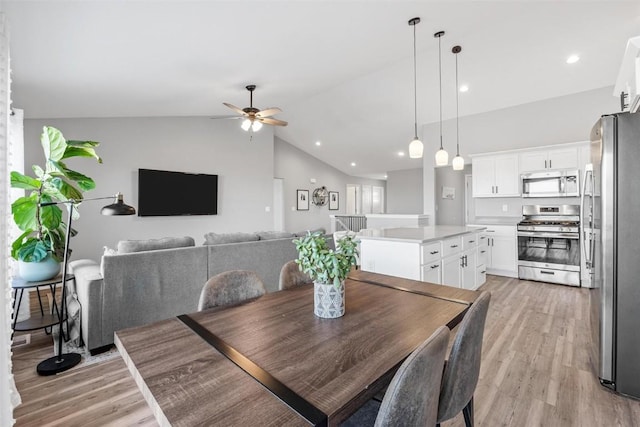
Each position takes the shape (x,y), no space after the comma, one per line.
(274,122)
(226,117)
(236,109)
(268,112)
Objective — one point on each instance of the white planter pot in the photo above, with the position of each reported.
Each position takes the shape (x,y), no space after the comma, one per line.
(328,301)
(46,269)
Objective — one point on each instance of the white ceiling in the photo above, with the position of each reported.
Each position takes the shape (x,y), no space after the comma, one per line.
(342,71)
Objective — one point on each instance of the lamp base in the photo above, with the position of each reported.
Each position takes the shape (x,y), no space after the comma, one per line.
(57,364)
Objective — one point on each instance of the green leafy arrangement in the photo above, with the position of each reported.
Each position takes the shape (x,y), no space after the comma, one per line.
(324,265)
(42,226)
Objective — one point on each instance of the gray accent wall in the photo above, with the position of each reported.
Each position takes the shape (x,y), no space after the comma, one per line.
(405,191)
(185,144)
(450,211)
(297,169)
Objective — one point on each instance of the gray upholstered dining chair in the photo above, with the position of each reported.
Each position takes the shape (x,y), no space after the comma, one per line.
(291,276)
(412,397)
(462,369)
(229,288)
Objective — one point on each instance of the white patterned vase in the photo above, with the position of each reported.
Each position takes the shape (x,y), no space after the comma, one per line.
(328,301)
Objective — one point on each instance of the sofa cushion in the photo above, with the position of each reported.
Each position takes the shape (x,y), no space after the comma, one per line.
(217,239)
(270,235)
(304,232)
(130,246)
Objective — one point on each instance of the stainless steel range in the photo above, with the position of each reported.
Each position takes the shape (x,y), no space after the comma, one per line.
(549,244)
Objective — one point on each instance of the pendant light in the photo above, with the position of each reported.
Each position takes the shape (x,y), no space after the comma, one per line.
(458,161)
(415,147)
(442,157)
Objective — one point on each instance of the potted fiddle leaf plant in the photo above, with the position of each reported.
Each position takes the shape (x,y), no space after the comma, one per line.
(40,248)
(328,269)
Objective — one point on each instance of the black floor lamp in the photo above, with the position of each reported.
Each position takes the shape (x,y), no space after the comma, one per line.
(62,362)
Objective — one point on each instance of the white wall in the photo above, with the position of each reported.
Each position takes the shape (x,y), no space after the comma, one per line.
(297,168)
(405,191)
(552,121)
(200,145)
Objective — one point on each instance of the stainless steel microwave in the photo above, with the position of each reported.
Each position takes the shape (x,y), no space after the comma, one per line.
(559,183)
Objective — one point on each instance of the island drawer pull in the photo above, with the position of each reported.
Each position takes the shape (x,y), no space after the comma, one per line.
(454,246)
(435,266)
(434,252)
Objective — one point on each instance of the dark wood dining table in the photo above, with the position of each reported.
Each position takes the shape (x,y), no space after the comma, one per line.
(272,362)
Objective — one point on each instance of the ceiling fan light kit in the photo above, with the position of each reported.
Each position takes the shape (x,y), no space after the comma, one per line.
(415,147)
(255,118)
(458,161)
(442,157)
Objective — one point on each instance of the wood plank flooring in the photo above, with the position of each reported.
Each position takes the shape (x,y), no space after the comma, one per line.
(536,371)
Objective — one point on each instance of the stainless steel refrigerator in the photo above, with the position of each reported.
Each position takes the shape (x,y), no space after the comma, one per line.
(611,221)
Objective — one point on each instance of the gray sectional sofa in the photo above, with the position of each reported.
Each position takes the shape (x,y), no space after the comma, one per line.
(144,286)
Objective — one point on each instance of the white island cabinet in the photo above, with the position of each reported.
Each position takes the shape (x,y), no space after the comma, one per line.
(445,255)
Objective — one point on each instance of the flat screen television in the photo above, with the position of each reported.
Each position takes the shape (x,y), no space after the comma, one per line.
(167,193)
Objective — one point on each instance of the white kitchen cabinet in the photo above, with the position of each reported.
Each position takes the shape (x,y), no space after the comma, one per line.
(558,158)
(500,255)
(628,81)
(451,267)
(432,272)
(496,176)
(459,270)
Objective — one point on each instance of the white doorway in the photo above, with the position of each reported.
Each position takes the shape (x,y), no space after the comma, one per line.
(278,204)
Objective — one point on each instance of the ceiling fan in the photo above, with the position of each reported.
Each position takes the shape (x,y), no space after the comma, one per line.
(255,118)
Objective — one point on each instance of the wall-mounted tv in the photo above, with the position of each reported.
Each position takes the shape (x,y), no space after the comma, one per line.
(167,193)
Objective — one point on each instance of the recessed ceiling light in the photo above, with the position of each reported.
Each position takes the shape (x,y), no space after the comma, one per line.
(318,143)
(386,176)
(400,153)
(464,88)
(573,59)
(353,163)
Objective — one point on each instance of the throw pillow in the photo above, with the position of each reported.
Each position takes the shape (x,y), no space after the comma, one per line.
(130,246)
(217,239)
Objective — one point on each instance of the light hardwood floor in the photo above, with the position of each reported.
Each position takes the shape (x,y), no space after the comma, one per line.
(536,371)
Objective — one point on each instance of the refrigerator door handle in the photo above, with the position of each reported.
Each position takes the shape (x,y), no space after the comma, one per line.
(588,173)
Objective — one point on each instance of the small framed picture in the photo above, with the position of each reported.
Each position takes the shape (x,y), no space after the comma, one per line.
(302,200)
(334,198)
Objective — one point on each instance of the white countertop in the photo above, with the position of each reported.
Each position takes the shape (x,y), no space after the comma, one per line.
(396,216)
(496,220)
(416,234)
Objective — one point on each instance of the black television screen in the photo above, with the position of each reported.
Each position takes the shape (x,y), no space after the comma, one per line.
(166,193)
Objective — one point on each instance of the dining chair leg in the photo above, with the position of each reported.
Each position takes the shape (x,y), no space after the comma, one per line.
(467,411)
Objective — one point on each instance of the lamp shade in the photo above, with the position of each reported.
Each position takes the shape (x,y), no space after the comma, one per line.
(458,163)
(118,207)
(415,149)
(442,157)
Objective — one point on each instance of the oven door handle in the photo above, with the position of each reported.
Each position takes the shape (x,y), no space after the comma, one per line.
(572,236)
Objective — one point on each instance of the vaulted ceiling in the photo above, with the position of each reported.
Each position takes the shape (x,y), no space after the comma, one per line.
(342,71)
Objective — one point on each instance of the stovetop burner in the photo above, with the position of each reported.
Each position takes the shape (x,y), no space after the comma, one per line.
(566,223)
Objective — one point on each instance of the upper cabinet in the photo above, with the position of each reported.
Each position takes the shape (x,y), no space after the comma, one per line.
(539,160)
(495,175)
(628,82)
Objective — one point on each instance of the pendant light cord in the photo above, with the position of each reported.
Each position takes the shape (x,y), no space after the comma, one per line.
(415,85)
(440,75)
(457,112)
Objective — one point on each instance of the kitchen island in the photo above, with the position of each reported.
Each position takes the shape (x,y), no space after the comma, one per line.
(438,254)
